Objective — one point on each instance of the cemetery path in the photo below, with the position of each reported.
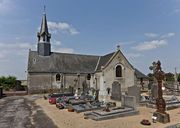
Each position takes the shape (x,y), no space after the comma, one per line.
(22,112)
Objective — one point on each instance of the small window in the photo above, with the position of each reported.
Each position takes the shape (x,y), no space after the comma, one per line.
(119,71)
(88,76)
(34,60)
(58,77)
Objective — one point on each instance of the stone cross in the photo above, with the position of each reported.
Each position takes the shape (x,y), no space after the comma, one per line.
(160,113)
(159,75)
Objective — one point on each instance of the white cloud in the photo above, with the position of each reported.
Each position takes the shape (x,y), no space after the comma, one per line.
(149,45)
(15,45)
(56,47)
(64,50)
(14,51)
(175,11)
(151,35)
(133,55)
(168,35)
(1,56)
(153,44)
(56,42)
(62,27)
(126,43)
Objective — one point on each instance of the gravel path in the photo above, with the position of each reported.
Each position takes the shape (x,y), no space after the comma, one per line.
(22,112)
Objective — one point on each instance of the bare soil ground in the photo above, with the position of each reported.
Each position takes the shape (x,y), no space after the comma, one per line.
(65,119)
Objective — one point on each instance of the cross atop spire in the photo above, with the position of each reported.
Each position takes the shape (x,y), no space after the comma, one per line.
(44,9)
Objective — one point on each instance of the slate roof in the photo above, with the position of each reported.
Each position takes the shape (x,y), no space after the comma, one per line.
(62,62)
(140,74)
(44,26)
(69,63)
(103,60)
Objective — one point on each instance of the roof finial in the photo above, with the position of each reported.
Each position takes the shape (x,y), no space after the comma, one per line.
(44,9)
(118,47)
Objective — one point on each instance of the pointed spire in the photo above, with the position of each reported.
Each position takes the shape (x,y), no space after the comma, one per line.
(44,34)
(44,27)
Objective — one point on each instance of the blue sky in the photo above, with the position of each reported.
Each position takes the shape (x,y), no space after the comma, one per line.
(146,30)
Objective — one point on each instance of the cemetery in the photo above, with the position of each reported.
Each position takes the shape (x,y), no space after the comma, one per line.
(87,100)
(118,104)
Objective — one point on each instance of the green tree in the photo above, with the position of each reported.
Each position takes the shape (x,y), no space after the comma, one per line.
(8,82)
(150,76)
(169,77)
(178,77)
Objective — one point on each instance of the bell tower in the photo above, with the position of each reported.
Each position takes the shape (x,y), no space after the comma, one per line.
(44,46)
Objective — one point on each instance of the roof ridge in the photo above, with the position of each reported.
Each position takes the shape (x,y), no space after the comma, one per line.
(75,54)
(108,54)
(71,54)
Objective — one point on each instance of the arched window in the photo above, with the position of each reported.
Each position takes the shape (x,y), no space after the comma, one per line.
(88,76)
(119,71)
(58,77)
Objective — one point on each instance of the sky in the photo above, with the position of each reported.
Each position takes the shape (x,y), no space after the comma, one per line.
(146,30)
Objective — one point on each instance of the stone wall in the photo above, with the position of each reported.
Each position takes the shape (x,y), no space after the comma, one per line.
(129,78)
(38,82)
(109,74)
(97,76)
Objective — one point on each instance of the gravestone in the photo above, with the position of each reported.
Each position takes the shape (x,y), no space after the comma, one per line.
(116,91)
(78,92)
(134,91)
(128,101)
(96,95)
(92,91)
(154,91)
(85,87)
(71,89)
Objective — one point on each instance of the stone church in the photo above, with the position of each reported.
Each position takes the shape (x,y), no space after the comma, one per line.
(52,70)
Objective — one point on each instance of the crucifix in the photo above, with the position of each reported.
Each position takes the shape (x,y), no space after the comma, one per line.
(160,113)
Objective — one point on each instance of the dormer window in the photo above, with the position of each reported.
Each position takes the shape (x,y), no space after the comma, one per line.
(118,71)
(58,77)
